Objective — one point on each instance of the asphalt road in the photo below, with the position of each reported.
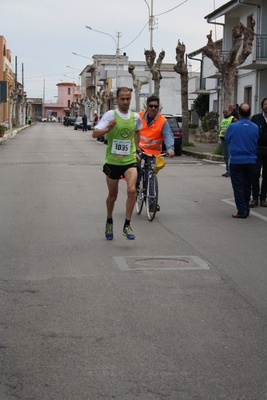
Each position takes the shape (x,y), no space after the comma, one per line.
(177,314)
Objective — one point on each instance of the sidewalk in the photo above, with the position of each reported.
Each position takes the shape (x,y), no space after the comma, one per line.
(10,133)
(202,150)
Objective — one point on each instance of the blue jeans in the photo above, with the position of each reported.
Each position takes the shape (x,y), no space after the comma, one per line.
(225,153)
(241,178)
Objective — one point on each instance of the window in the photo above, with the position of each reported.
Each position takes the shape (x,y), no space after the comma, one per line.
(249,20)
(68,90)
(248,94)
(69,103)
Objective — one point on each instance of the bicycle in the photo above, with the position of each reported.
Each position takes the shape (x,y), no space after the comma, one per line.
(149,192)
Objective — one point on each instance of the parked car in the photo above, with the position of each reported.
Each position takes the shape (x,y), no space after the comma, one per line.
(177,134)
(71,119)
(78,124)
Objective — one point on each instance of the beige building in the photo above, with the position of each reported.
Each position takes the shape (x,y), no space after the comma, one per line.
(6,75)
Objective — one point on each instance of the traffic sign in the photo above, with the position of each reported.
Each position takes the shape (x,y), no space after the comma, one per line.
(142,94)
(88,103)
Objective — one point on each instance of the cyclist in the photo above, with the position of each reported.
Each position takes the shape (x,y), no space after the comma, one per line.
(122,128)
(155,130)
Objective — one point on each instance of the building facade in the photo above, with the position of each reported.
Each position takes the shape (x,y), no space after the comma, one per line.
(251,76)
(6,75)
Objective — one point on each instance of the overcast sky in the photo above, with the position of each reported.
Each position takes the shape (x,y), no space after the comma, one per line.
(43,34)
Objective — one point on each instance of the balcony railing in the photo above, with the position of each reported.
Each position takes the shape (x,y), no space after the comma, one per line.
(261,47)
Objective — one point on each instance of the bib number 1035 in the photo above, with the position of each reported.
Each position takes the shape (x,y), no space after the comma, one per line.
(121,147)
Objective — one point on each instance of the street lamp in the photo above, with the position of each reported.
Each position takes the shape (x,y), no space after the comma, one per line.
(117,48)
(80,55)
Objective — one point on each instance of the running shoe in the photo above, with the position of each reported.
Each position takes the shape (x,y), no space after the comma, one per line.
(109,231)
(128,232)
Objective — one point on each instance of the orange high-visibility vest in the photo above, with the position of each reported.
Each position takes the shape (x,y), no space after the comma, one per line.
(151,138)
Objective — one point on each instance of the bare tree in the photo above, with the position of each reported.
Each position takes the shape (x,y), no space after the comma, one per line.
(241,36)
(137,84)
(155,67)
(181,68)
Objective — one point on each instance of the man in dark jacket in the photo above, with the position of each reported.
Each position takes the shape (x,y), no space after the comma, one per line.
(242,137)
(260,191)
(84,118)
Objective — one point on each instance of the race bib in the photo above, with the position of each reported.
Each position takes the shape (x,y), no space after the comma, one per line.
(122,147)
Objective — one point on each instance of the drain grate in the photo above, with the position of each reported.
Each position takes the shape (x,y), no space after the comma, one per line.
(167,263)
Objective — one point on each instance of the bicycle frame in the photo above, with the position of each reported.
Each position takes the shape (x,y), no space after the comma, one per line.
(148,190)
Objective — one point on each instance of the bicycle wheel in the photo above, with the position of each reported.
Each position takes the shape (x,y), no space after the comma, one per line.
(152,196)
(140,197)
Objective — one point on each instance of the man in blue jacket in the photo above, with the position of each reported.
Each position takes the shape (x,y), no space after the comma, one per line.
(242,138)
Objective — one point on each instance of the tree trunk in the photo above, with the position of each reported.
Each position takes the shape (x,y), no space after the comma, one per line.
(137,84)
(155,68)
(181,68)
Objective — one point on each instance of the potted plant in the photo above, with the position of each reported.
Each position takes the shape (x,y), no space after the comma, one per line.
(2,130)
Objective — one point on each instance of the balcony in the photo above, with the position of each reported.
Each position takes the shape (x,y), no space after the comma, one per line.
(258,59)
(261,47)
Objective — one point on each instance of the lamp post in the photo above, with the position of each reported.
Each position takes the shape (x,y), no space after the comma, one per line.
(151,28)
(117,49)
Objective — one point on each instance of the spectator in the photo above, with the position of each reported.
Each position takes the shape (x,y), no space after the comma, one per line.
(84,119)
(226,121)
(261,162)
(233,111)
(242,137)
(95,119)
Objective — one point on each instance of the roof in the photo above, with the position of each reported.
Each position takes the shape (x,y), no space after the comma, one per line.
(221,11)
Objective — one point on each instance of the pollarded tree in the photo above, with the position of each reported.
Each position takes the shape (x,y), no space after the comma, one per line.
(181,68)
(137,84)
(242,36)
(155,67)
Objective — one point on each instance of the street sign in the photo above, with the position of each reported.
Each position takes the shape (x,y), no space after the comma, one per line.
(142,94)
(88,103)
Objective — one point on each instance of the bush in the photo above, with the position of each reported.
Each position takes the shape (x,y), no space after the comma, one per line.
(218,150)
(210,121)
(2,128)
(193,126)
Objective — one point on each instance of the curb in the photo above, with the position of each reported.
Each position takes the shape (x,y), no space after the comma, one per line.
(206,156)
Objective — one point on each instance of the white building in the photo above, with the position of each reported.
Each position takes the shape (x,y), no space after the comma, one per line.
(108,72)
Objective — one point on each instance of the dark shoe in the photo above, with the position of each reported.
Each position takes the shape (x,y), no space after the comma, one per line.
(263,203)
(253,203)
(239,215)
(158,207)
(226,175)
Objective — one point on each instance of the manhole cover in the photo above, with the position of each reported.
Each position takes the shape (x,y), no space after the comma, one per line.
(160,263)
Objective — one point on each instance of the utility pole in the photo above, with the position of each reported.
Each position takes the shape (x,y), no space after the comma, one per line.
(117,59)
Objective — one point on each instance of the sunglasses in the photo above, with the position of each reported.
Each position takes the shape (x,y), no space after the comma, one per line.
(153,106)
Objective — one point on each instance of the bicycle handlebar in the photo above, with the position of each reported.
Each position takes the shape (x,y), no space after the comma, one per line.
(153,155)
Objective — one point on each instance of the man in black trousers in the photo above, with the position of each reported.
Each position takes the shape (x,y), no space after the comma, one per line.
(259,191)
